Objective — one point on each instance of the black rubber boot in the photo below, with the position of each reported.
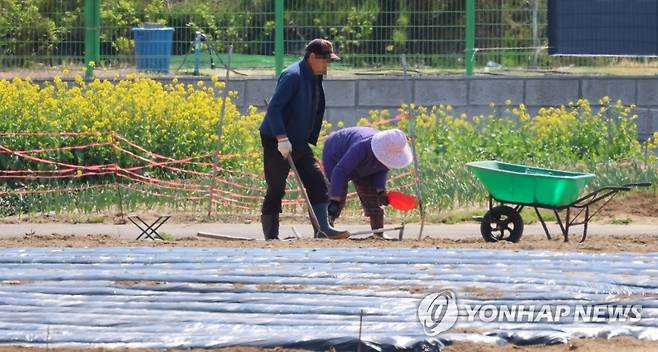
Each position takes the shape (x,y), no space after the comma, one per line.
(377,222)
(270,226)
(320,210)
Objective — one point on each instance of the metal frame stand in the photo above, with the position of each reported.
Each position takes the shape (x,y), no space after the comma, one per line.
(148,231)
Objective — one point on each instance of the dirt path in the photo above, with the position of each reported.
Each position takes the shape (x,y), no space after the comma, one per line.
(617,344)
(612,243)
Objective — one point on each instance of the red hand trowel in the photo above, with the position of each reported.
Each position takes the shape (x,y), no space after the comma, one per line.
(401,201)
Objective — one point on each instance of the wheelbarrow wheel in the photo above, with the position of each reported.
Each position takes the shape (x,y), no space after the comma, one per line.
(502,223)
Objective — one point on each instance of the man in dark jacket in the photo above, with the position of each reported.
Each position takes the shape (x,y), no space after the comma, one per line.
(292,122)
(363,155)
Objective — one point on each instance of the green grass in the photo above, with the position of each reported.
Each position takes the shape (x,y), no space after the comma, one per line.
(458,216)
(530,217)
(624,221)
(166,235)
(95,219)
(246,61)
(240,61)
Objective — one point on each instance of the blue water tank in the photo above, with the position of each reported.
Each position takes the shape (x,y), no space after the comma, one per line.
(153,48)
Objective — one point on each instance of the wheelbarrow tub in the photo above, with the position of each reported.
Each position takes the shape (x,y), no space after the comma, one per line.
(521,184)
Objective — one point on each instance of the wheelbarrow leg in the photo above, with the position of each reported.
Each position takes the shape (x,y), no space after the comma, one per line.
(565,232)
(543,223)
(585,225)
(566,225)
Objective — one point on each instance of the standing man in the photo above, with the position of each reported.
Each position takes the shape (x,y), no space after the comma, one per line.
(363,155)
(292,122)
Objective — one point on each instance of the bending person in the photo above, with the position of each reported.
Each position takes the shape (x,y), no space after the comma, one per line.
(364,156)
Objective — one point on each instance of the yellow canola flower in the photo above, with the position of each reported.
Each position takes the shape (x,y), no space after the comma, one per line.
(180,120)
(363,122)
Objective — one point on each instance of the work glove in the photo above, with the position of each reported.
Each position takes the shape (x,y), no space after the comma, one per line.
(382,198)
(284,147)
(334,209)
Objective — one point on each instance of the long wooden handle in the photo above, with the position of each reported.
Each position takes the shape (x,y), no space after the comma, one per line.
(311,213)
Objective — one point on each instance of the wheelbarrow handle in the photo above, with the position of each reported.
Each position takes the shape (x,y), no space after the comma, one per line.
(639,184)
(607,191)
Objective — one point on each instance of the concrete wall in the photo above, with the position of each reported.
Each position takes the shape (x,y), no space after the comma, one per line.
(352,98)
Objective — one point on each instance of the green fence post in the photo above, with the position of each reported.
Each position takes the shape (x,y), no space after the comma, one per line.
(278,37)
(92,36)
(469,54)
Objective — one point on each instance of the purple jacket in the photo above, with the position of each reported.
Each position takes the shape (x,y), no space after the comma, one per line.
(347,155)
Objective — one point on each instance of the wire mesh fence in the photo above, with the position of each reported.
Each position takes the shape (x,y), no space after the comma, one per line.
(41,33)
(368,34)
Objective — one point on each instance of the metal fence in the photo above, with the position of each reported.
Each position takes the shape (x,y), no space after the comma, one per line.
(36,33)
(368,34)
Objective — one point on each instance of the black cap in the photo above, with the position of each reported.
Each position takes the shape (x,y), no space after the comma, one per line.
(322,48)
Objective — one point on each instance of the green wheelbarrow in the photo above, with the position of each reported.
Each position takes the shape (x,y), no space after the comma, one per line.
(517,186)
